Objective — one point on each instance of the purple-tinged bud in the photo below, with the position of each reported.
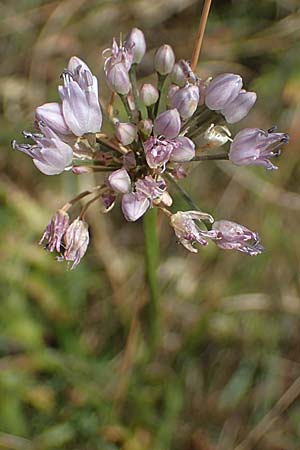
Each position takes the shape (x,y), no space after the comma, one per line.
(186,100)
(149,94)
(118,79)
(108,199)
(145,126)
(222,90)
(164,59)
(136,41)
(52,115)
(80,102)
(167,124)
(134,206)
(239,107)
(171,92)
(126,132)
(80,170)
(187,230)
(233,236)
(76,241)
(184,149)
(253,146)
(120,181)
(55,231)
(178,75)
(129,160)
(158,152)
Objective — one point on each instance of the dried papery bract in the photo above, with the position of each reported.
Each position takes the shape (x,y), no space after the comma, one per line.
(54,233)
(76,241)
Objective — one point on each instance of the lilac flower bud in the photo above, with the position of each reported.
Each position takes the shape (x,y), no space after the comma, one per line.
(239,107)
(233,236)
(134,206)
(188,232)
(184,149)
(76,241)
(253,146)
(118,79)
(145,126)
(164,59)
(50,155)
(178,75)
(136,40)
(168,124)
(80,170)
(120,181)
(55,231)
(158,152)
(79,95)
(149,94)
(222,90)
(52,115)
(186,100)
(129,160)
(171,92)
(126,132)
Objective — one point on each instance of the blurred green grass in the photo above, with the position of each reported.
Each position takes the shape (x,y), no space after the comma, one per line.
(73,367)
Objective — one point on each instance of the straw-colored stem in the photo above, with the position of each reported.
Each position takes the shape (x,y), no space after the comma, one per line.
(200,34)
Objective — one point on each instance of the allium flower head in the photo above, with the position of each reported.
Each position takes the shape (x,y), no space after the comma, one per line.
(79,95)
(253,146)
(233,236)
(187,230)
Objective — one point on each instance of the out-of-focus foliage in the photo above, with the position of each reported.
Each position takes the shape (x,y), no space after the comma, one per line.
(74,368)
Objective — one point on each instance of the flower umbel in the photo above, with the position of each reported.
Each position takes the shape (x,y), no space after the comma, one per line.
(161,130)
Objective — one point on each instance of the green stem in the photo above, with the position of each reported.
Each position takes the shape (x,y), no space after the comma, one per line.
(126,107)
(162,86)
(217,156)
(141,108)
(151,250)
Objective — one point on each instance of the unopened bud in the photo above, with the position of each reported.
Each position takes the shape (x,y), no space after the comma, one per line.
(134,206)
(145,127)
(164,59)
(126,132)
(239,107)
(79,170)
(118,79)
(178,76)
(222,90)
(168,124)
(136,41)
(186,100)
(184,150)
(149,94)
(120,181)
